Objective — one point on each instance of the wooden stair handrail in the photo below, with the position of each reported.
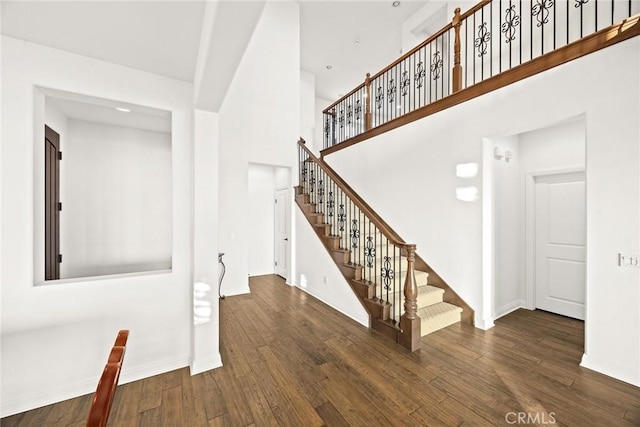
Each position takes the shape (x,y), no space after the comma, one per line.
(106,389)
(121,339)
(388,232)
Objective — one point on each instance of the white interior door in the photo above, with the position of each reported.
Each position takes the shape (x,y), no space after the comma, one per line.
(281,230)
(560,250)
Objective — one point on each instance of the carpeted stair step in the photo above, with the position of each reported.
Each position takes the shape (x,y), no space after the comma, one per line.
(438,316)
(427,295)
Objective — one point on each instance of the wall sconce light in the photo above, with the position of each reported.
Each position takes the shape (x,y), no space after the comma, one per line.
(499,154)
(508,155)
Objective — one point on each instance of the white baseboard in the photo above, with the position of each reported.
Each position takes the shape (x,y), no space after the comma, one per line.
(508,308)
(484,324)
(241,291)
(16,404)
(150,369)
(607,369)
(203,365)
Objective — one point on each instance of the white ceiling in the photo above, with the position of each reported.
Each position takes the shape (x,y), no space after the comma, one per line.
(328,34)
(82,107)
(163,37)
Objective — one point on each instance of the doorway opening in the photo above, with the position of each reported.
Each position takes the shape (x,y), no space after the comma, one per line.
(536,220)
(269,206)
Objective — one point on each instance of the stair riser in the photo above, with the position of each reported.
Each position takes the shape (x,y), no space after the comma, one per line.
(362,290)
(350,272)
(339,256)
(436,323)
(424,299)
(332,242)
(321,229)
(315,218)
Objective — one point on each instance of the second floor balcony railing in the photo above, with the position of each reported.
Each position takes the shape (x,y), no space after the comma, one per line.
(489,39)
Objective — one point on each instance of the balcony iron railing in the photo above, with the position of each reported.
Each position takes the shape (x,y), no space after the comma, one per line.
(490,38)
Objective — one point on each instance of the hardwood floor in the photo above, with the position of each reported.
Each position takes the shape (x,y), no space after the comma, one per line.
(291,360)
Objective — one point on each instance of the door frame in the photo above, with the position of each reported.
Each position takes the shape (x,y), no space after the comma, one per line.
(530,230)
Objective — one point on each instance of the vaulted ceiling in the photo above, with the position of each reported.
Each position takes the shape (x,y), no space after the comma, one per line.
(165,37)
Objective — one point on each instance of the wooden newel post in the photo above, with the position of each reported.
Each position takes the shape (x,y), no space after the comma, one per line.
(367,102)
(410,322)
(457,68)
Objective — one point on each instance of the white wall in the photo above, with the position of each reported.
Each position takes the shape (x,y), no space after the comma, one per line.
(259,123)
(408,176)
(508,224)
(72,325)
(261,219)
(307,105)
(206,269)
(56,120)
(319,275)
(116,215)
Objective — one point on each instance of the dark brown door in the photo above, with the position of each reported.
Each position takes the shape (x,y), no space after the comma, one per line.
(51,204)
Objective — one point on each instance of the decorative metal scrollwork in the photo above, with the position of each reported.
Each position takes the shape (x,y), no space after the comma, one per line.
(419,77)
(370,251)
(312,180)
(349,114)
(541,11)
(342,218)
(358,109)
(341,119)
(327,127)
(330,205)
(379,97)
(355,233)
(391,91)
(436,65)
(405,81)
(579,3)
(304,173)
(387,273)
(320,191)
(511,21)
(482,41)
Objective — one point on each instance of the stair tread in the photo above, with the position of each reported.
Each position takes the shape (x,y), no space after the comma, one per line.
(441,308)
(426,289)
(427,295)
(438,316)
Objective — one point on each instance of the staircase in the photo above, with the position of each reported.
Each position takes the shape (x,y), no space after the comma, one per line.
(378,265)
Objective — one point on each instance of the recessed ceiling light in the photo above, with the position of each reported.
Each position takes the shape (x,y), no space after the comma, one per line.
(395,3)
(329,67)
(124,110)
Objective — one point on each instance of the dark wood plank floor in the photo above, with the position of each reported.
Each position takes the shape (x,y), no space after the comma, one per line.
(291,360)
